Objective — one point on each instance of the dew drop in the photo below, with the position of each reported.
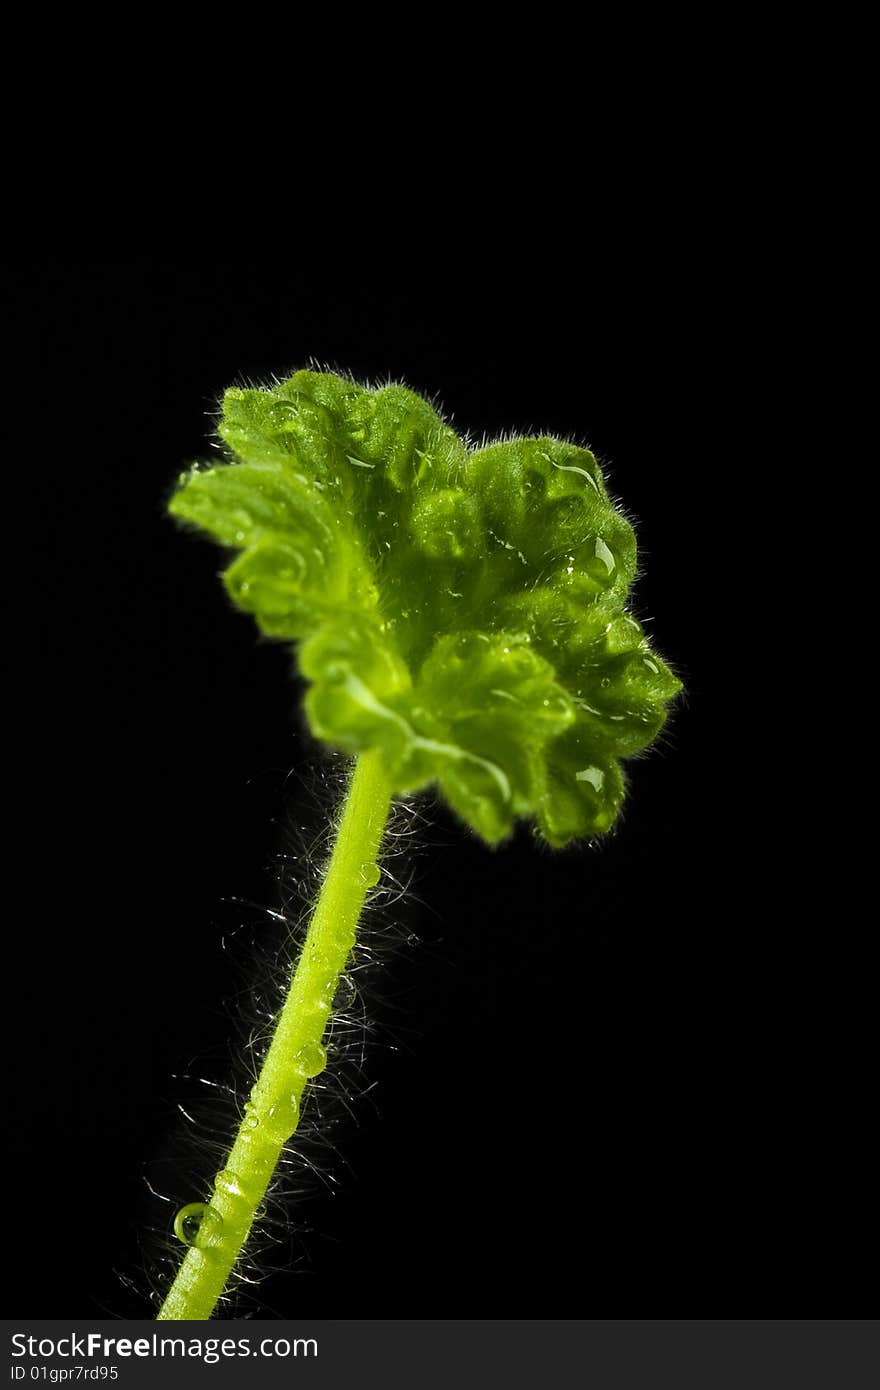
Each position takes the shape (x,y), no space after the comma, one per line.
(346,994)
(228,1182)
(594,775)
(198,1225)
(605,555)
(370,874)
(282,1118)
(328,992)
(251,1118)
(310,1059)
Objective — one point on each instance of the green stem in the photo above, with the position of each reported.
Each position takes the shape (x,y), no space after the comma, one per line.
(295,1054)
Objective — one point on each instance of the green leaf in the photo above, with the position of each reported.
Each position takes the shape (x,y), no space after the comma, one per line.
(583,791)
(361,689)
(462,612)
(496,706)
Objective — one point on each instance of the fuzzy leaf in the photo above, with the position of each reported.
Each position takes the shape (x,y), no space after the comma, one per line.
(464,612)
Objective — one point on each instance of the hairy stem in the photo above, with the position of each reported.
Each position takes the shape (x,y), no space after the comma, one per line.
(295,1054)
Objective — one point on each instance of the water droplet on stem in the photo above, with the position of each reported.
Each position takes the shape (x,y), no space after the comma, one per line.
(310,1059)
(199,1225)
(228,1182)
(282,1118)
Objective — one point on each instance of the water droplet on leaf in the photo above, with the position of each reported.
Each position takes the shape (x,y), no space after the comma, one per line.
(594,775)
(605,555)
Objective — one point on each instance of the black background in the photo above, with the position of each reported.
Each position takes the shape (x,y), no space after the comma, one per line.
(603,1082)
